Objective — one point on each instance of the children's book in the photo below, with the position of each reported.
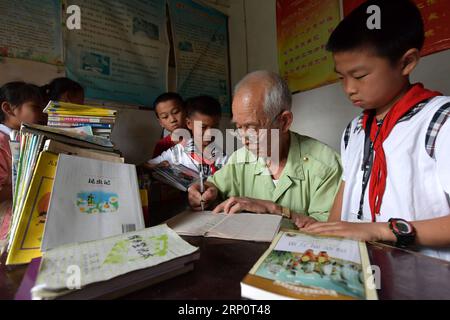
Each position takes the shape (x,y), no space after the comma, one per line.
(177,176)
(306,267)
(116,263)
(26,241)
(91,200)
(72,109)
(243,226)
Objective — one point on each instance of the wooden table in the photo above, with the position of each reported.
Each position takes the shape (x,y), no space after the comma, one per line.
(223,264)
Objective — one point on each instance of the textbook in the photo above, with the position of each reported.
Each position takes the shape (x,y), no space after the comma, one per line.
(115,266)
(59,147)
(81,140)
(57,108)
(306,267)
(177,176)
(26,240)
(243,226)
(91,200)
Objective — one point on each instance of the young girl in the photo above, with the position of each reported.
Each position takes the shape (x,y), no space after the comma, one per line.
(19,102)
(64,90)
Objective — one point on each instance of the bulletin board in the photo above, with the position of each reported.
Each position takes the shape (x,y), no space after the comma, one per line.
(121,52)
(200,36)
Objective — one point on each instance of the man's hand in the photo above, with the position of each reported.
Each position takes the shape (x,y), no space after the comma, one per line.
(302,221)
(195,197)
(354,231)
(241,204)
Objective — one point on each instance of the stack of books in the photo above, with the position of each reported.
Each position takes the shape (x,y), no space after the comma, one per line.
(76,201)
(43,153)
(91,120)
(115,266)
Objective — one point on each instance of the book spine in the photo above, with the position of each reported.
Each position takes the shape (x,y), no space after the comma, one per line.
(74,125)
(107,120)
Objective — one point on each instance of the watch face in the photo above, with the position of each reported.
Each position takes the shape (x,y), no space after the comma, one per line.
(402,227)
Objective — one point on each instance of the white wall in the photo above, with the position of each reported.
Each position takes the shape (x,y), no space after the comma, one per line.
(323,113)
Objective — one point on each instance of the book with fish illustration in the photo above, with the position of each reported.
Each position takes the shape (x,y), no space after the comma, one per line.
(113,266)
(306,267)
(91,200)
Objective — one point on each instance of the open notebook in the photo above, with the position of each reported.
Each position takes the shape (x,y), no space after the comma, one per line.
(244,226)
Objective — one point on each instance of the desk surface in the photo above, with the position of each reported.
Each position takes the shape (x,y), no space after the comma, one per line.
(224,263)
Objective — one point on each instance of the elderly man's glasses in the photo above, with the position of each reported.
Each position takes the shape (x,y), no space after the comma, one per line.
(253,135)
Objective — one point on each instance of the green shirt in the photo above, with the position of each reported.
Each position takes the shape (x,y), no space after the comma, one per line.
(308,184)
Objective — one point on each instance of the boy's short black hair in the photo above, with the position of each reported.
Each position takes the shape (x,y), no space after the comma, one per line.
(168,96)
(57,87)
(205,105)
(402,28)
(17,93)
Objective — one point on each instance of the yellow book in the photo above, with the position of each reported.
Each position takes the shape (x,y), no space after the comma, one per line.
(65,108)
(26,244)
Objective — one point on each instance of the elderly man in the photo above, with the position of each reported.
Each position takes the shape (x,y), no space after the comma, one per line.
(298,181)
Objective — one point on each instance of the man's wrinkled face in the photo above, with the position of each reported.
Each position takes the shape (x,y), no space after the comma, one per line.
(250,119)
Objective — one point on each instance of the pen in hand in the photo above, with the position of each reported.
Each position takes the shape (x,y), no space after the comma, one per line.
(202,189)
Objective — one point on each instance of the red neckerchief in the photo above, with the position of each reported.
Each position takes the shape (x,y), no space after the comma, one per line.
(414,96)
(204,161)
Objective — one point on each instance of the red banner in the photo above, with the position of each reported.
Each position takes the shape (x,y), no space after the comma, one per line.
(436,15)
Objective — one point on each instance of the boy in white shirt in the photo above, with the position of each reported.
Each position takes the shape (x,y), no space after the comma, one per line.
(396,155)
(198,151)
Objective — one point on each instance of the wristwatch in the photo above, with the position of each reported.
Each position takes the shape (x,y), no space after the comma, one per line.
(286,212)
(404,232)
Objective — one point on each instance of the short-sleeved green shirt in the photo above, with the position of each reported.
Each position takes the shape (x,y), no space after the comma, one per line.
(308,184)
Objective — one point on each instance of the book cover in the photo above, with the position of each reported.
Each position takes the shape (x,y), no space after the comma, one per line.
(91,200)
(301,266)
(108,258)
(26,243)
(178,176)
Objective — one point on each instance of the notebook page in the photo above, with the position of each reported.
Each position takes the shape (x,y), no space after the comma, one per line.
(248,226)
(195,223)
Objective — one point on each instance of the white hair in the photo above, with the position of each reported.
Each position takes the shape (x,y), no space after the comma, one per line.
(278,97)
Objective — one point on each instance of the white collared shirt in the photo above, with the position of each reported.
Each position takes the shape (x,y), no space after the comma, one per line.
(418,168)
(179,154)
(4,129)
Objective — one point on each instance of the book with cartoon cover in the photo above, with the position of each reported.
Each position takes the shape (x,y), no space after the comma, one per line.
(91,200)
(307,267)
(26,241)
